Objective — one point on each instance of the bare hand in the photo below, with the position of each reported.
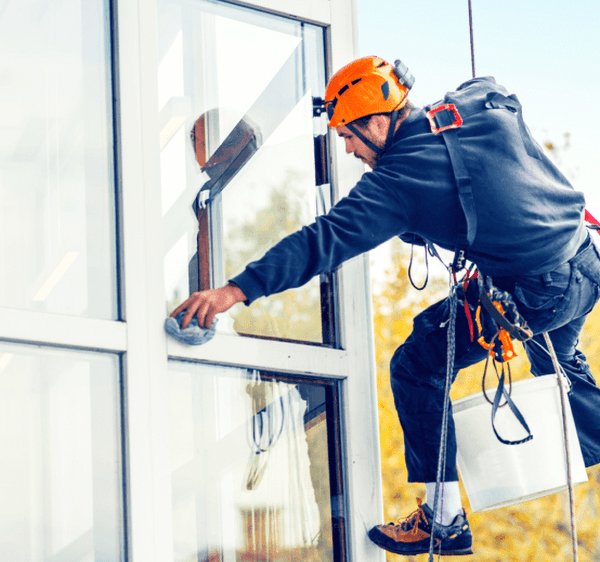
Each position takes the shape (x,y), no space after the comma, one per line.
(206,304)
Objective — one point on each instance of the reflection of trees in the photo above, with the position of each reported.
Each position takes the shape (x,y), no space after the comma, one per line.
(543,524)
(294,314)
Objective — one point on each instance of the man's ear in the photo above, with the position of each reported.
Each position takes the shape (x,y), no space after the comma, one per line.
(379,124)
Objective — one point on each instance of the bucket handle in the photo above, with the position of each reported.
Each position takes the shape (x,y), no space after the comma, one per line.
(500,392)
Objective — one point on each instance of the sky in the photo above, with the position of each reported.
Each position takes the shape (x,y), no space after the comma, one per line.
(546,52)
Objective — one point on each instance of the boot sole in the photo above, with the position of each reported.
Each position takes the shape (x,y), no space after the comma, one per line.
(390,547)
(463,552)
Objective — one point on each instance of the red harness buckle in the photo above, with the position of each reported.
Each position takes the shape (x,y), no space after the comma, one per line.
(594,224)
(445,107)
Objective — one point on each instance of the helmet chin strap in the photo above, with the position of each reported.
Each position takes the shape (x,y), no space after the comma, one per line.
(378,150)
(391,129)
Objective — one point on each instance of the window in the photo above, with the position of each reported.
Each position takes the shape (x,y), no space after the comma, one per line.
(60,463)
(95,465)
(242,82)
(57,239)
(251,455)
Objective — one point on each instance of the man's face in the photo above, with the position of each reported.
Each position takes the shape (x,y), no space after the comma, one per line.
(375,131)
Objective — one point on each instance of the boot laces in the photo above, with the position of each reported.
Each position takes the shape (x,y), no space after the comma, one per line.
(411,521)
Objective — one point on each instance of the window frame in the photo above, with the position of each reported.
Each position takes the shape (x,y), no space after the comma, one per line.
(55,362)
(207,263)
(48,330)
(333,389)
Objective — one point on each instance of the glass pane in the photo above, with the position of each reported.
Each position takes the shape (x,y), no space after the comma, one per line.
(251,458)
(57,221)
(242,81)
(60,464)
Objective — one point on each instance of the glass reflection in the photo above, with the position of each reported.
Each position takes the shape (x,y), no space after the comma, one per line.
(230,155)
(57,240)
(60,464)
(262,204)
(251,464)
(244,87)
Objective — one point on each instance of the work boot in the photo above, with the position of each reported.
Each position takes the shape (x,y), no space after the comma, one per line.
(413,535)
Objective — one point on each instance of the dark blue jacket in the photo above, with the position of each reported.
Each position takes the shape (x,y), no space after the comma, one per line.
(529,219)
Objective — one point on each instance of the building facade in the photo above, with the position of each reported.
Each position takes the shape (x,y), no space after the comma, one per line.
(151,148)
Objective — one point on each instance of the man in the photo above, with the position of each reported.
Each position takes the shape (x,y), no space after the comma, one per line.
(464,175)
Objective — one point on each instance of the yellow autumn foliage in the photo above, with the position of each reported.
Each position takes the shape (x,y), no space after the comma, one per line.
(534,530)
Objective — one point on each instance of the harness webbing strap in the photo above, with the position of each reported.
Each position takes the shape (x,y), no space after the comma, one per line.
(446,120)
(463,184)
(501,392)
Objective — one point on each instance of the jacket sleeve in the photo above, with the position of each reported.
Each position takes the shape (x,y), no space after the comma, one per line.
(370,214)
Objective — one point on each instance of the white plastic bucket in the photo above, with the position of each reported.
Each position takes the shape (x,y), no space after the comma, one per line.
(496,475)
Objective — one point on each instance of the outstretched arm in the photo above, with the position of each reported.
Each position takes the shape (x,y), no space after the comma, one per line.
(370,214)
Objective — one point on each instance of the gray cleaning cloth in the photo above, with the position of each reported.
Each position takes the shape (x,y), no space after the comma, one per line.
(193,334)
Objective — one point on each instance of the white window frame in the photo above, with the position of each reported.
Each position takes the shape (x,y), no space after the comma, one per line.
(140,337)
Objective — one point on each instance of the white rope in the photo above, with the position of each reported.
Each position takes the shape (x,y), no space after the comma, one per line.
(441,466)
(562,385)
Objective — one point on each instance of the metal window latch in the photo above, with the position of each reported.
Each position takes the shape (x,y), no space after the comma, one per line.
(318,106)
(203,198)
(321,153)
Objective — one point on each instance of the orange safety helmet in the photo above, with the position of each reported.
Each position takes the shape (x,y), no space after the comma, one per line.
(364,87)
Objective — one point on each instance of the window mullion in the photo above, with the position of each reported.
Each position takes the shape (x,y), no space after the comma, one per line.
(145,363)
(361,428)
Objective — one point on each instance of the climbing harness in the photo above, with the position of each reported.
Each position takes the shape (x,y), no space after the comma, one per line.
(502,309)
(504,323)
